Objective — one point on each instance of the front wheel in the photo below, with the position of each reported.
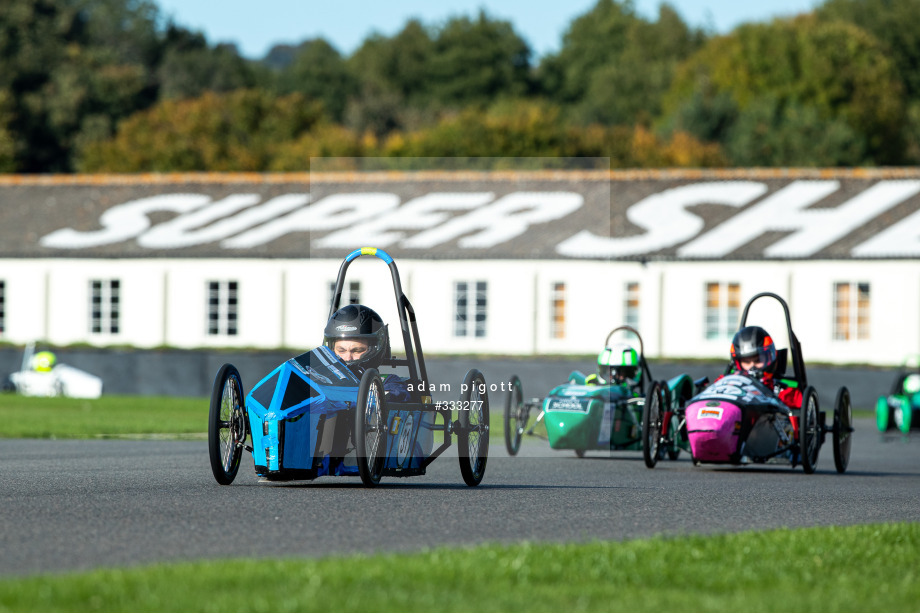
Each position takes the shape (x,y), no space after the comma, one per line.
(651,425)
(226,425)
(808,430)
(473,434)
(370,428)
(515,416)
(843,429)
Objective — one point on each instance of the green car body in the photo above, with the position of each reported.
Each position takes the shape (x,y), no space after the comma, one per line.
(900,409)
(580,416)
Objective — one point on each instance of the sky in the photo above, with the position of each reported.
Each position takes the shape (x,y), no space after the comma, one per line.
(254,26)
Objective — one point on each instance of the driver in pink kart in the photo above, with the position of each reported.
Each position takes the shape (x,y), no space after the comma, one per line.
(754,354)
(358,336)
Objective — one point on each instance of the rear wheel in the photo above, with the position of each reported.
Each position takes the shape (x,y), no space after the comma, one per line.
(651,425)
(673,446)
(843,429)
(882,414)
(515,416)
(473,435)
(370,428)
(808,430)
(903,415)
(226,424)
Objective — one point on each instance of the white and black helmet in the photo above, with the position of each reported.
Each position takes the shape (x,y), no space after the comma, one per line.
(359,323)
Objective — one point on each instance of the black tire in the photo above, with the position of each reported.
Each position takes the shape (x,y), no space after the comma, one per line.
(580,453)
(370,431)
(809,437)
(843,429)
(227,424)
(515,416)
(473,434)
(651,425)
(673,437)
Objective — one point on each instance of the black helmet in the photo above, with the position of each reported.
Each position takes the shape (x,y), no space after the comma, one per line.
(754,342)
(359,323)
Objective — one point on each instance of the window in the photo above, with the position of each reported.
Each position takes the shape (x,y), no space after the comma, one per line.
(557,304)
(351,293)
(470,311)
(2,306)
(223,304)
(723,306)
(631,304)
(104,309)
(851,311)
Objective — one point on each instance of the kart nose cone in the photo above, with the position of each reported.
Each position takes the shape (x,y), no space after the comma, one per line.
(712,429)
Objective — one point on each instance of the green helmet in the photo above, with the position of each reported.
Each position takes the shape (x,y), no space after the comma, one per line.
(619,364)
(43,361)
(912,383)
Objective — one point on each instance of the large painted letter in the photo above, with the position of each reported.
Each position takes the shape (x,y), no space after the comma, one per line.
(333,212)
(664,217)
(125,221)
(423,212)
(504,219)
(812,229)
(901,240)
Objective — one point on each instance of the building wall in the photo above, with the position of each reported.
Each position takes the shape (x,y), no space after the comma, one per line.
(285,303)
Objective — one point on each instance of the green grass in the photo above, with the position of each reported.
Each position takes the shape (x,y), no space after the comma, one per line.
(871,568)
(107,416)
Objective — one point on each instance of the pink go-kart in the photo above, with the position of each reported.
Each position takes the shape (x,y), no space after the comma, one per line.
(737,420)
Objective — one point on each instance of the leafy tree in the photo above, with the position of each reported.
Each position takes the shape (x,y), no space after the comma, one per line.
(191,67)
(238,131)
(319,72)
(771,133)
(68,72)
(463,61)
(615,66)
(325,140)
(594,40)
(399,64)
(895,23)
(835,69)
(478,60)
(7,136)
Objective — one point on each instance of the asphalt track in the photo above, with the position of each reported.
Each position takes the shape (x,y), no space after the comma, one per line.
(75,505)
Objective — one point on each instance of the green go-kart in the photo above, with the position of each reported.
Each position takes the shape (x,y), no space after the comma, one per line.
(900,409)
(587,413)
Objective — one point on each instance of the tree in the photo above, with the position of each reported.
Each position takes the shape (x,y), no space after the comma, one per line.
(237,131)
(477,61)
(319,72)
(614,65)
(629,88)
(833,69)
(771,133)
(67,71)
(191,67)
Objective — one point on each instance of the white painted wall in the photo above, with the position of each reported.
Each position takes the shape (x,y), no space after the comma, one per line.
(284,303)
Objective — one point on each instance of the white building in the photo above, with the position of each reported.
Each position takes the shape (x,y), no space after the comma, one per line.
(494,263)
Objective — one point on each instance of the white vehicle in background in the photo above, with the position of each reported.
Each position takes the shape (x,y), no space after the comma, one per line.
(42,376)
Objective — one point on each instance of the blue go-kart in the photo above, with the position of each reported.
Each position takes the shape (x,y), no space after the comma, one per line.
(312,416)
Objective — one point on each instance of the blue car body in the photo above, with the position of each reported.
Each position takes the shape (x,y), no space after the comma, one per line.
(301,419)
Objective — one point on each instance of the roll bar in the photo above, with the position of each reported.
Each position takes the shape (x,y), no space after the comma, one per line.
(795,347)
(407,324)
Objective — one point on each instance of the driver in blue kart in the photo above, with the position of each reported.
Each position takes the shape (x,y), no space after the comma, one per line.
(358,336)
(753,353)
